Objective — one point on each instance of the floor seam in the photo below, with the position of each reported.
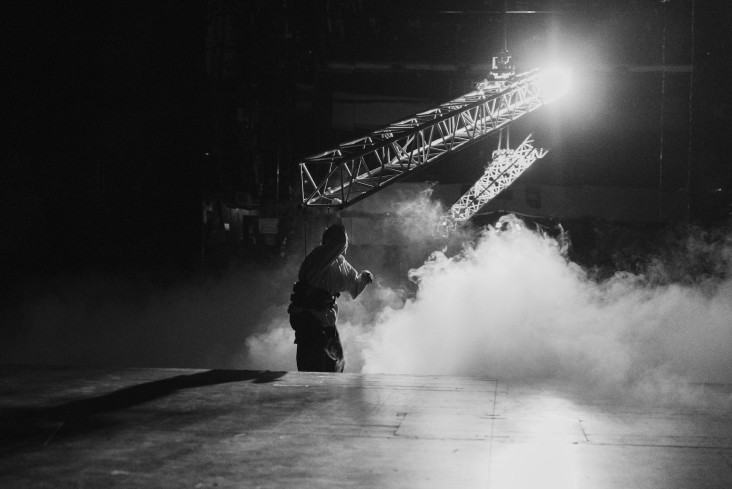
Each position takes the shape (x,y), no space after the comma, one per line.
(490,436)
(584,433)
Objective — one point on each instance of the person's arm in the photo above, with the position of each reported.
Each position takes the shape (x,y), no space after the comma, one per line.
(355,282)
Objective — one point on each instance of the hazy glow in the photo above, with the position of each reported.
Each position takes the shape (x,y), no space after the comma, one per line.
(509,306)
(530,465)
(554,83)
(539,450)
(512,306)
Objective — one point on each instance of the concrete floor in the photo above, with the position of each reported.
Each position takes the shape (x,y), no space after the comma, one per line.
(66,427)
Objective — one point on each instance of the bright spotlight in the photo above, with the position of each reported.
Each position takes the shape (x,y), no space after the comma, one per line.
(554,83)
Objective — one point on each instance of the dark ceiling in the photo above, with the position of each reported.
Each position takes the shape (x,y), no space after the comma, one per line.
(121,116)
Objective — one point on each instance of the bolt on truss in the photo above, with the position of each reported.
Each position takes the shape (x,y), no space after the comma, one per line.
(502,171)
(356,169)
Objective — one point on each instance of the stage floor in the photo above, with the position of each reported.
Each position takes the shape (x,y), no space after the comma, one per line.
(168,428)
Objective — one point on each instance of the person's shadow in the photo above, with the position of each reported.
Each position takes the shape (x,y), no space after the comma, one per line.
(28,427)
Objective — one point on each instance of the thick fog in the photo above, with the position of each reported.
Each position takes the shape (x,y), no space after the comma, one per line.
(506,303)
(512,305)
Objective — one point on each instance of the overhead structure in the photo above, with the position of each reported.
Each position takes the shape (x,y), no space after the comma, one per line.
(506,166)
(357,169)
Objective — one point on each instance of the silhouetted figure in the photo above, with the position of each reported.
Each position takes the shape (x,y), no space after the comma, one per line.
(324,274)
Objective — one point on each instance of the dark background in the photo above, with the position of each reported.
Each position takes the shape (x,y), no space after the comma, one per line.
(121,119)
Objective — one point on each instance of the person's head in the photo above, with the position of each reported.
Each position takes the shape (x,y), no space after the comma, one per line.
(336,235)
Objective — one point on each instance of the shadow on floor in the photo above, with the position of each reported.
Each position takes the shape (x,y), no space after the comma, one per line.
(22,428)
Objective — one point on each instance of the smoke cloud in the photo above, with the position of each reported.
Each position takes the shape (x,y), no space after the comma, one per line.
(512,305)
(505,302)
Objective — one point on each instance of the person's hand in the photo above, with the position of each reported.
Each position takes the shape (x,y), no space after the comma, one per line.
(367,276)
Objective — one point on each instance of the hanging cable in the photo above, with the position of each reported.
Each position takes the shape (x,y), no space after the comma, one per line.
(305,231)
(505,25)
(661,122)
(691,113)
(505,50)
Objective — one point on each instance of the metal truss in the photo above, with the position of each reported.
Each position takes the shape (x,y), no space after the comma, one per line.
(505,168)
(357,169)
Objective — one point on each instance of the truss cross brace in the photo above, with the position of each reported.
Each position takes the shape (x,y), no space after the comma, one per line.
(357,169)
(506,167)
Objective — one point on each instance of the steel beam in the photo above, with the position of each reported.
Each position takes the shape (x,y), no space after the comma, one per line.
(357,169)
(507,165)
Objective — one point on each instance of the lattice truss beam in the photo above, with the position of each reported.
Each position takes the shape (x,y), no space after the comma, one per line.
(502,171)
(356,169)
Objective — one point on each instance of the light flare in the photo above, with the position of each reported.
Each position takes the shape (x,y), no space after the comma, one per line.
(554,83)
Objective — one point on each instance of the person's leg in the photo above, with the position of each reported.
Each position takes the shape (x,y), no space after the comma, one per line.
(313,358)
(308,336)
(303,357)
(318,349)
(334,350)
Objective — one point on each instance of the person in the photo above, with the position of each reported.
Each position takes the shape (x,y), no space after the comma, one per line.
(313,310)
